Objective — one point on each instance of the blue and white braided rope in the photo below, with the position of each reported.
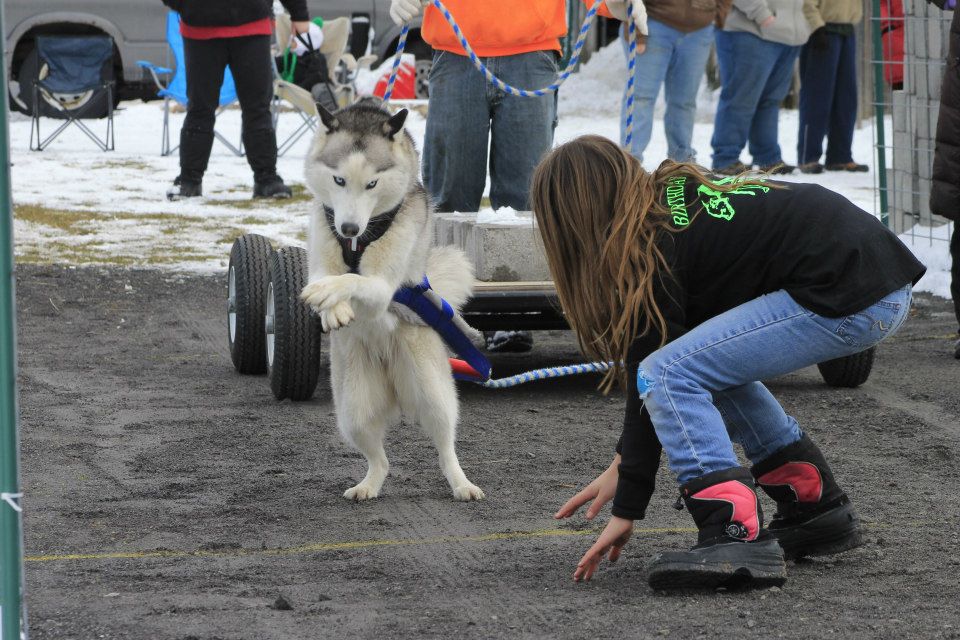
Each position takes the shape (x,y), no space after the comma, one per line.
(531,93)
(568,370)
(549,372)
(401,45)
(631,67)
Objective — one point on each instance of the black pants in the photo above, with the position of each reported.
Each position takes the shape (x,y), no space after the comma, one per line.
(955,270)
(252,68)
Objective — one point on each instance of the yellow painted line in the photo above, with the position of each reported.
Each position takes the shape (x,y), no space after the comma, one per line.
(336,546)
(322,547)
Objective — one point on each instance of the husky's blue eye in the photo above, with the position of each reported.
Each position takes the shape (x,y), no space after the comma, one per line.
(340,181)
(371,184)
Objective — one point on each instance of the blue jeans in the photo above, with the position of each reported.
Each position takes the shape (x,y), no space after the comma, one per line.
(828,100)
(754,77)
(465,111)
(701,390)
(677,61)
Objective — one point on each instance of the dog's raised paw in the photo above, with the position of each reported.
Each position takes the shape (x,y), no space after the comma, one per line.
(338,316)
(326,292)
(361,492)
(468,492)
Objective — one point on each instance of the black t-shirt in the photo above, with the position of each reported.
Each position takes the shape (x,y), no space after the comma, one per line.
(832,257)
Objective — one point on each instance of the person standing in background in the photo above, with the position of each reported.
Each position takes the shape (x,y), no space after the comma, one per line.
(217,33)
(945,192)
(674,56)
(756,51)
(520,43)
(828,86)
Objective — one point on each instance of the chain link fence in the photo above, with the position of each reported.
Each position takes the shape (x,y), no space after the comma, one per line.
(910,45)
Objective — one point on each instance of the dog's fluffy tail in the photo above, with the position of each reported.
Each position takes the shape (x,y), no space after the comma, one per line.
(450,274)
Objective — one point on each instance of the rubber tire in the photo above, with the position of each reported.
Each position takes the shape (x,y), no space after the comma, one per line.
(30,72)
(250,263)
(849,371)
(423,55)
(296,353)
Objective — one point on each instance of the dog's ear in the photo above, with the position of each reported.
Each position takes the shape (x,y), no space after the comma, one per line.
(395,123)
(329,120)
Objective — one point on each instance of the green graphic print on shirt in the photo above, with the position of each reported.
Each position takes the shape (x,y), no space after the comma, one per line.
(717,203)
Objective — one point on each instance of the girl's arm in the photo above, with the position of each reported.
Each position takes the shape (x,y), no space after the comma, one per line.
(639,447)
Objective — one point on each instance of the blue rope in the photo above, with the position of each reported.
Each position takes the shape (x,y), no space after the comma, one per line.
(568,370)
(531,93)
(549,372)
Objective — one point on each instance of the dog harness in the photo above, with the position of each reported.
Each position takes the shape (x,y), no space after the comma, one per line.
(427,307)
(437,314)
(352,248)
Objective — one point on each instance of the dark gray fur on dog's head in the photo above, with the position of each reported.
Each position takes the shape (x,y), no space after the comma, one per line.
(366,117)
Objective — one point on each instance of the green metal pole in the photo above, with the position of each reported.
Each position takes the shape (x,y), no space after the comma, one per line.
(11,552)
(878,111)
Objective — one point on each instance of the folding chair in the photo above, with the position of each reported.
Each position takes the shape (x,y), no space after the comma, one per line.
(175,88)
(337,92)
(71,66)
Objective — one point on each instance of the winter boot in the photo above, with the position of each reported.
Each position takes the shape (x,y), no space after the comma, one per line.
(184,189)
(272,187)
(733,549)
(814,516)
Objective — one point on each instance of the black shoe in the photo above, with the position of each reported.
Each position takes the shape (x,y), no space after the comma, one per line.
(814,516)
(272,188)
(182,189)
(956,352)
(508,341)
(734,169)
(811,167)
(728,553)
(778,169)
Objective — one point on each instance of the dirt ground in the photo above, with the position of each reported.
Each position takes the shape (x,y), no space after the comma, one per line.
(168,497)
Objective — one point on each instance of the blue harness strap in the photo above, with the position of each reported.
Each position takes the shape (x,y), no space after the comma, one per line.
(441,320)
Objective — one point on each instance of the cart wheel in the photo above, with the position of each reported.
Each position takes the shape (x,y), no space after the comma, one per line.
(246,301)
(849,371)
(292,332)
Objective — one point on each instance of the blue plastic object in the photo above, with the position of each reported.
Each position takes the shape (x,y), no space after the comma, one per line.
(441,319)
(176,88)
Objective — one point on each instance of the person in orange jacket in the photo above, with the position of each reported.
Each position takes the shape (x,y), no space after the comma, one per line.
(520,43)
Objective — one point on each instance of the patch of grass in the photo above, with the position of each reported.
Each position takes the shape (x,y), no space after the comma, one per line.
(63,219)
(300,195)
(74,221)
(231,234)
(250,221)
(62,252)
(123,164)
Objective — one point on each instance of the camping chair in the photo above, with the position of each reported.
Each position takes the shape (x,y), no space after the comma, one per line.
(337,92)
(72,66)
(175,88)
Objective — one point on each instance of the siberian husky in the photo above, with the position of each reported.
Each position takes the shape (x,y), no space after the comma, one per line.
(370,233)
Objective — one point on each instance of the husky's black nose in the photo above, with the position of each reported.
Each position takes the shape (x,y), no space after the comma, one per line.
(349,229)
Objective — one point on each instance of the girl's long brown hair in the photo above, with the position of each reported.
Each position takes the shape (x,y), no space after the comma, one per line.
(600,215)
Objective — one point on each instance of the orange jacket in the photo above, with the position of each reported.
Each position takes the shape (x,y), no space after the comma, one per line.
(500,27)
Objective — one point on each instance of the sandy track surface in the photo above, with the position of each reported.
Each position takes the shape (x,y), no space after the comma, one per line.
(169,497)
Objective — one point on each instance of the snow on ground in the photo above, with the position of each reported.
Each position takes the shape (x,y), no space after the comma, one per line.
(77,205)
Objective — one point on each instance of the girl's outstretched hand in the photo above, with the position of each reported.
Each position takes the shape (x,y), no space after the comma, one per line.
(600,491)
(609,544)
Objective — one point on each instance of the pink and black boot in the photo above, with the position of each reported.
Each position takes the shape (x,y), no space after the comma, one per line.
(733,549)
(814,516)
